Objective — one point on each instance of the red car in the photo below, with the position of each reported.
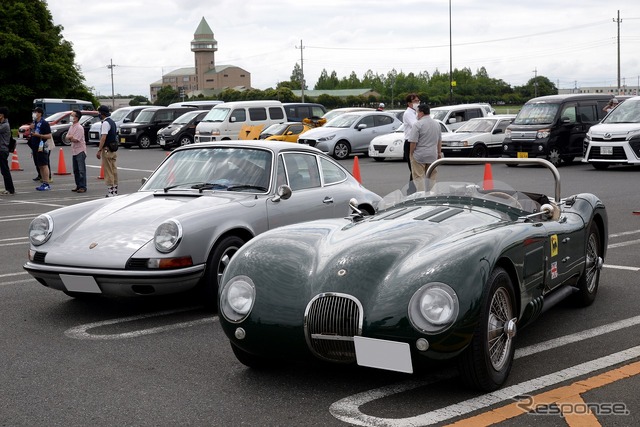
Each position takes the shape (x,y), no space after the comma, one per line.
(59,118)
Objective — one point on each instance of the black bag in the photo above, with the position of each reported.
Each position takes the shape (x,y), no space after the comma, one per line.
(113,146)
(12,144)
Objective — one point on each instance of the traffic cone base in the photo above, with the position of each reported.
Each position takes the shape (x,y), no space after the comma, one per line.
(356,170)
(15,164)
(487,182)
(62,167)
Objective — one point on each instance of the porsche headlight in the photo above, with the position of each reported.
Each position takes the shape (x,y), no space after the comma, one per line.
(167,236)
(40,230)
(433,308)
(237,298)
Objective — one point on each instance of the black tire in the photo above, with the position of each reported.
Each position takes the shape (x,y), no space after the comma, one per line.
(248,359)
(590,278)
(554,156)
(216,264)
(127,145)
(568,159)
(379,159)
(512,165)
(144,141)
(600,166)
(63,139)
(483,366)
(185,140)
(479,150)
(341,150)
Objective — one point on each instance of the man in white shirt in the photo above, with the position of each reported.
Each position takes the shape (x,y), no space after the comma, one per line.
(409,118)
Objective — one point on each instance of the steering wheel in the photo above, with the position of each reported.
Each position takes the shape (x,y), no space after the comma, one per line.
(508,197)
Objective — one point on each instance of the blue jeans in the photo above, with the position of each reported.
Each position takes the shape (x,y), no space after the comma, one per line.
(80,170)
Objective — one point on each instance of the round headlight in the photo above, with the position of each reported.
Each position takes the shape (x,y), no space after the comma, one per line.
(433,308)
(40,230)
(237,298)
(167,236)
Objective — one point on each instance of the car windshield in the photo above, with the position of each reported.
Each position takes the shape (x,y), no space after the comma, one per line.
(57,116)
(627,112)
(217,114)
(185,118)
(214,168)
(342,121)
(145,116)
(477,125)
(438,114)
(119,114)
(276,129)
(538,113)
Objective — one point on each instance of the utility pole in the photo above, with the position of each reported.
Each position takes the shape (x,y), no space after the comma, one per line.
(113,99)
(301,70)
(450,60)
(618,21)
(535,82)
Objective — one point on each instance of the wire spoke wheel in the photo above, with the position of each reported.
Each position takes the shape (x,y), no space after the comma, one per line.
(500,312)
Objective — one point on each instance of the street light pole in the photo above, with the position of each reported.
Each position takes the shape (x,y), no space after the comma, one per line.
(113,100)
(450,59)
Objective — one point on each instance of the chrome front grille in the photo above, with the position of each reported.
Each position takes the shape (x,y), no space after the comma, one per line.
(331,320)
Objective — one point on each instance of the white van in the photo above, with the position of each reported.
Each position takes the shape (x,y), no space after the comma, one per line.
(200,105)
(224,121)
(616,139)
(454,116)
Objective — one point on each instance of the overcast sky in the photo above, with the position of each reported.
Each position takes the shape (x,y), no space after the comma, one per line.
(571,42)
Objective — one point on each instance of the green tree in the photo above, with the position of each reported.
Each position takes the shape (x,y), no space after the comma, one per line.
(37,61)
(167,95)
(297,77)
(138,100)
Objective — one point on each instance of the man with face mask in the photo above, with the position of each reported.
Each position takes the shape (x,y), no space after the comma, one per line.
(75,136)
(39,144)
(409,119)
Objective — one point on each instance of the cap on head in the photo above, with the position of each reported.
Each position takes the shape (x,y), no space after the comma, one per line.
(103,109)
(615,101)
(38,110)
(381,105)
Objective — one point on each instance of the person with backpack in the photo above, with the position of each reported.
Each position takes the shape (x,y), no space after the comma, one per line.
(5,151)
(107,151)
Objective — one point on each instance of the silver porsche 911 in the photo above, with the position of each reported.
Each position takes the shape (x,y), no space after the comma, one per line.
(180,229)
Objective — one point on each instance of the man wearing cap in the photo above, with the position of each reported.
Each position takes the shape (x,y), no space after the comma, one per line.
(613,103)
(381,106)
(107,151)
(5,136)
(39,144)
(425,146)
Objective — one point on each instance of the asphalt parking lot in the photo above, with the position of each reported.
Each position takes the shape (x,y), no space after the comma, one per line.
(166,361)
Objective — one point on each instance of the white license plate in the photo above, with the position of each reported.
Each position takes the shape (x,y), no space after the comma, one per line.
(161,142)
(93,135)
(80,284)
(606,151)
(382,354)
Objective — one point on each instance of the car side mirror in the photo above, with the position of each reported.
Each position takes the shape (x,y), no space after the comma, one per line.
(289,133)
(452,120)
(361,126)
(232,119)
(283,193)
(126,120)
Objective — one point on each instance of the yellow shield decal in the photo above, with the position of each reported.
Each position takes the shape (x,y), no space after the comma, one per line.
(554,244)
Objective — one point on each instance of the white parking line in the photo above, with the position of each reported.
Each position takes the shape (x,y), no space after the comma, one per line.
(622,267)
(80,332)
(621,244)
(348,409)
(624,233)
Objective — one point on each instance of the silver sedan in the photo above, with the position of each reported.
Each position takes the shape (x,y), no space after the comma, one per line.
(181,228)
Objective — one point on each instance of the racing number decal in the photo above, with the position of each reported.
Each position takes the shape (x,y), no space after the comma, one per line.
(554,245)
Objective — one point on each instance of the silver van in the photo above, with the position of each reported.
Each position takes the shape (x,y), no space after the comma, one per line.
(225,121)
(119,116)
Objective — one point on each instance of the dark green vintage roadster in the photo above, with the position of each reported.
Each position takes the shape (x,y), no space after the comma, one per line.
(453,272)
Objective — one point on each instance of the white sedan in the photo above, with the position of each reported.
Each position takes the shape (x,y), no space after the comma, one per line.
(479,137)
(391,145)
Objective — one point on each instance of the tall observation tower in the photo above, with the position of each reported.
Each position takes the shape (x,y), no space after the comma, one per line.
(204,47)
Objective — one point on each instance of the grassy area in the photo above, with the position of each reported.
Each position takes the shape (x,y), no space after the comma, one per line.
(507,109)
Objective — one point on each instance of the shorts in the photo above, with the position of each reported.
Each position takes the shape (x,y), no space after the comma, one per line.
(42,158)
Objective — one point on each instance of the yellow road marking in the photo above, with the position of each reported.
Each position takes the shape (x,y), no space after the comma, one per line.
(566,394)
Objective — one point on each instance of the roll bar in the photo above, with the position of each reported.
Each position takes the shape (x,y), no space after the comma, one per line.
(504,161)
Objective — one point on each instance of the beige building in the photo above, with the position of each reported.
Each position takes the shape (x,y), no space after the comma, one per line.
(206,77)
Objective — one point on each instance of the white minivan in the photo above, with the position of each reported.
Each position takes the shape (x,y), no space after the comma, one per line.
(225,121)
(616,139)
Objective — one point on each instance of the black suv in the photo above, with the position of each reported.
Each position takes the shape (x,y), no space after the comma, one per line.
(144,129)
(181,131)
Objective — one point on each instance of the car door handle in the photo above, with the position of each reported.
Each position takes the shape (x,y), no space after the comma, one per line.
(327,200)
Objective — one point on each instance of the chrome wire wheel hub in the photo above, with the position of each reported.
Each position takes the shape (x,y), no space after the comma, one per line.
(224,261)
(593,263)
(500,329)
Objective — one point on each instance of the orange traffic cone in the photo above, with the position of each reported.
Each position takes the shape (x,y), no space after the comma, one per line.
(62,167)
(101,176)
(15,164)
(487,183)
(356,170)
